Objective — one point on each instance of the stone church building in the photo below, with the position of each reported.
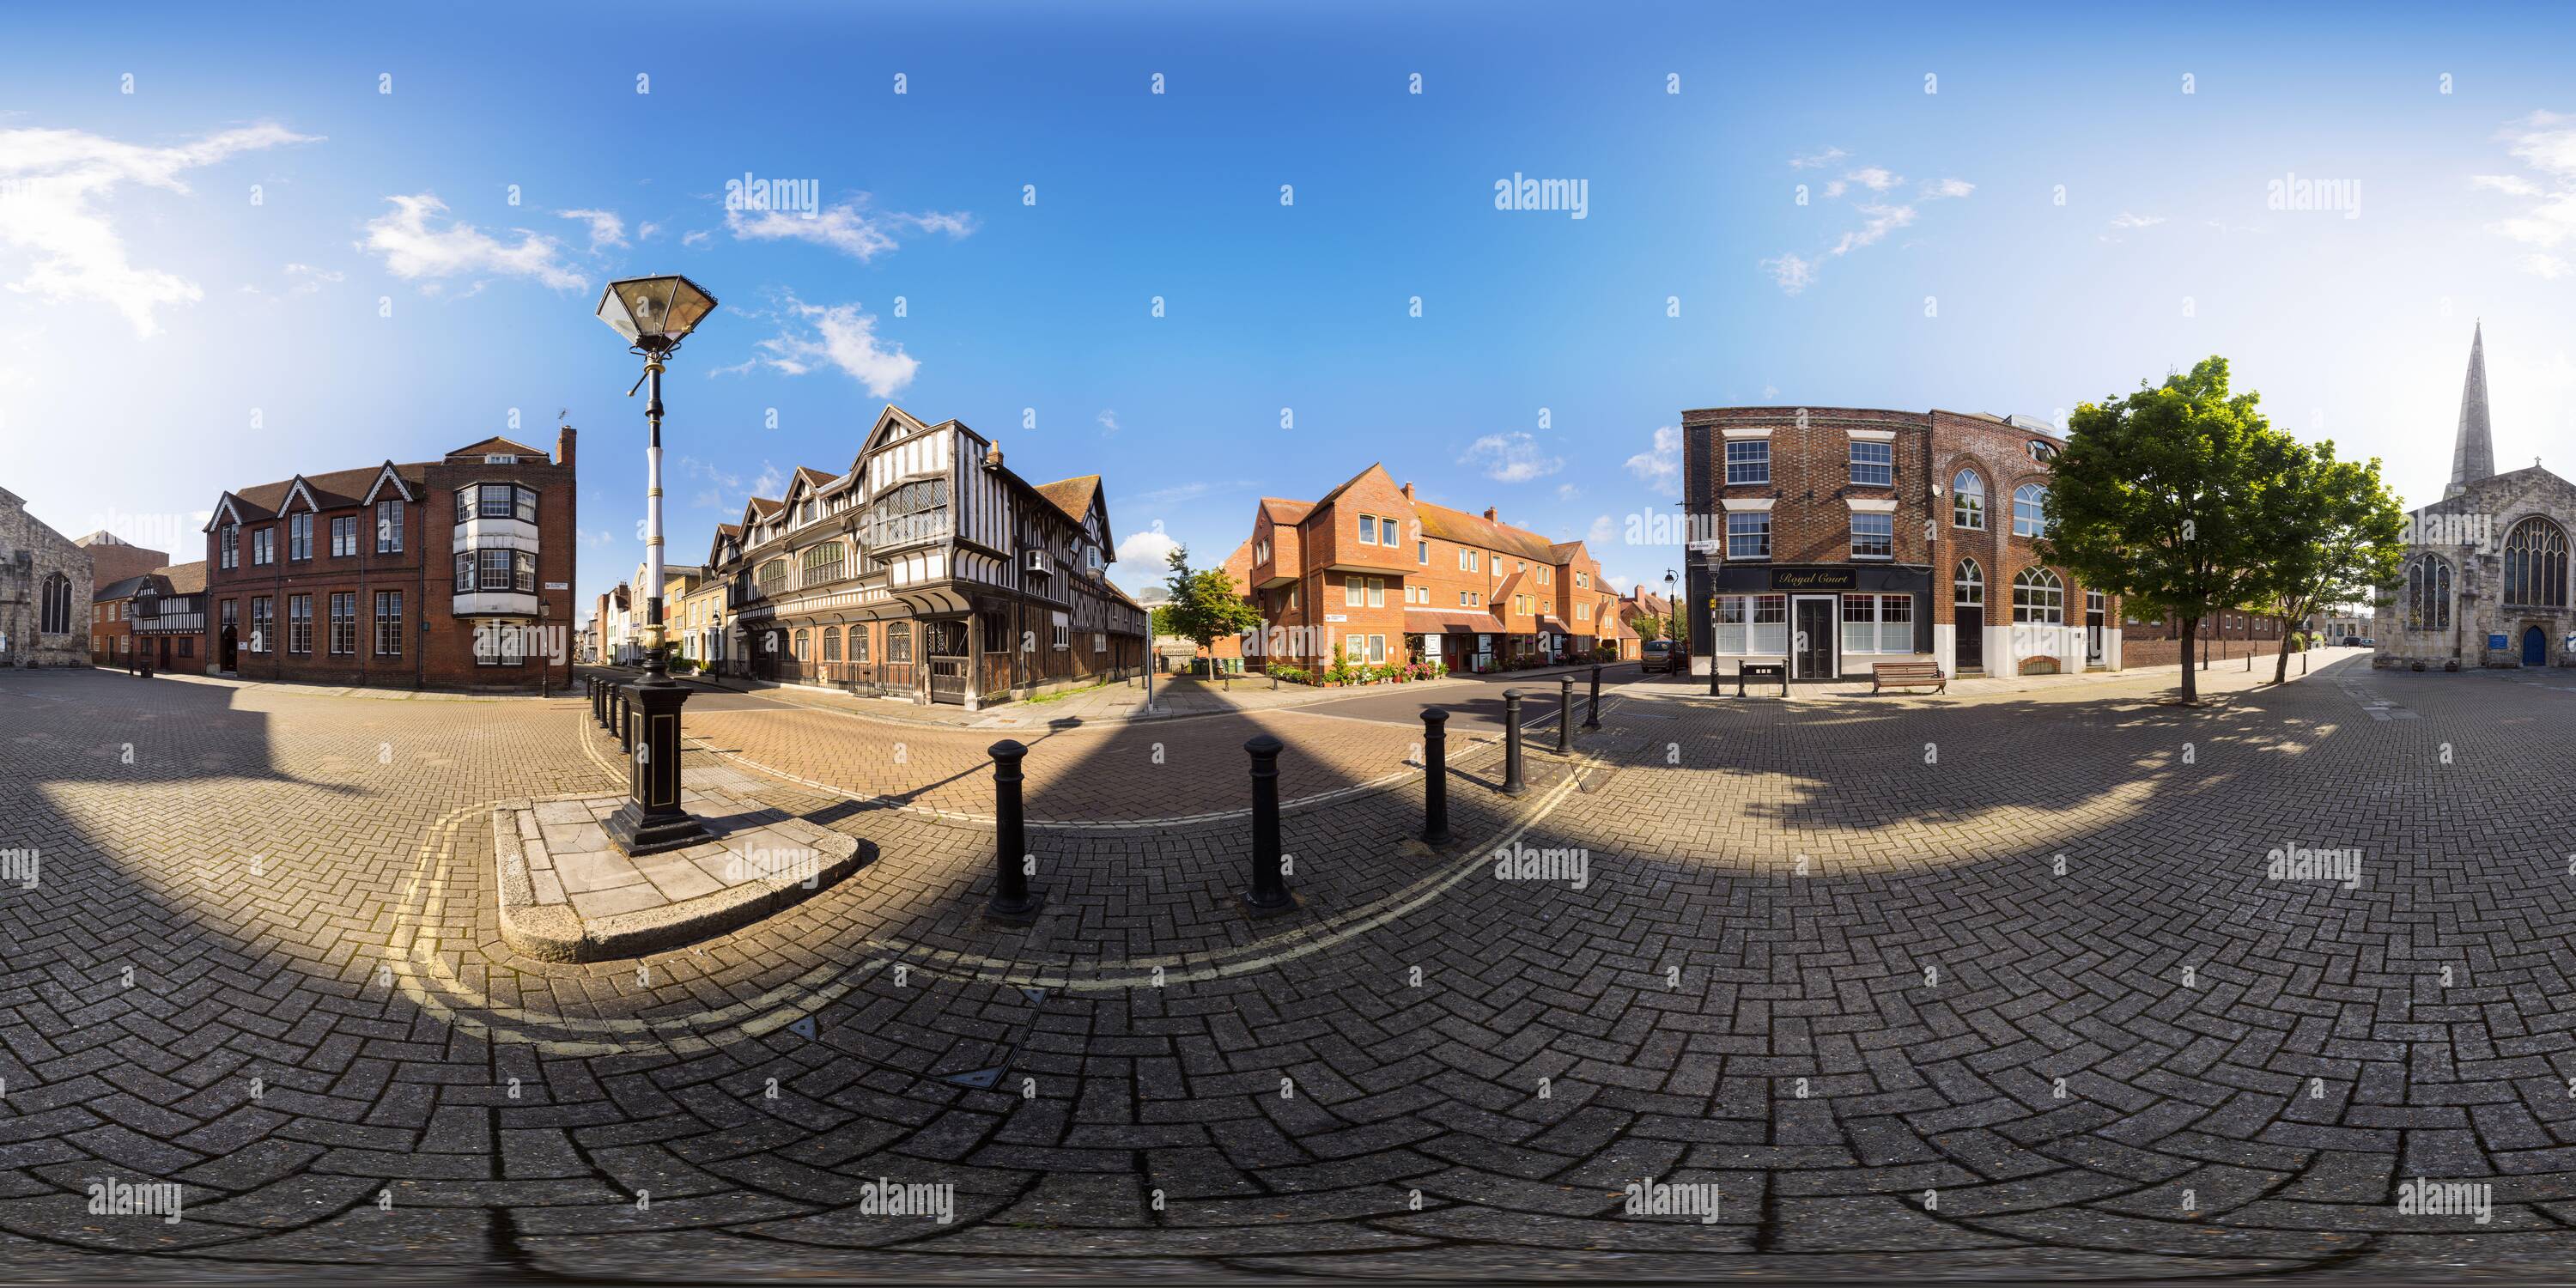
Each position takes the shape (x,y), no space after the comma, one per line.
(44,591)
(2486,578)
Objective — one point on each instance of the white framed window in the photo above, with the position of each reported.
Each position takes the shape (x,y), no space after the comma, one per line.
(1354,591)
(1376,648)
(1878,624)
(1873,464)
(1968,501)
(1752,625)
(2030,510)
(1368,529)
(1377,592)
(1386,532)
(1873,535)
(1748,460)
(1748,534)
(2038,596)
(1422,553)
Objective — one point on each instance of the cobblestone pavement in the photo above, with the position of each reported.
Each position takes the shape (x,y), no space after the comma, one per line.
(1971,986)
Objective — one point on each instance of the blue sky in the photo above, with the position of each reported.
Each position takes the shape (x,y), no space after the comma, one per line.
(164,336)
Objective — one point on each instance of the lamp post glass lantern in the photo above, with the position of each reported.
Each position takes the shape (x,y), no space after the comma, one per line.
(654,314)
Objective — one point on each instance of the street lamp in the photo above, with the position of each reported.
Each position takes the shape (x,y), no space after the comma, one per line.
(654,314)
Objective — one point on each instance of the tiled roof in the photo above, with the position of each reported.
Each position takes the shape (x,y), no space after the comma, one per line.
(496,446)
(1073,495)
(337,488)
(1476,530)
(184,579)
(126,589)
(1282,510)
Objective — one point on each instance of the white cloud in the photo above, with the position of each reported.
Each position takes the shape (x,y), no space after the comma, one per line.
(606,228)
(1108,419)
(2124,220)
(1882,220)
(693,238)
(309,279)
(770,484)
(1510,458)
(848,227)
(841,336)
(413,250)
(1143,558)
(645,231)
(2545,142)
(1603,534)
(1619,583)
(1567,491)
(1793,272)
(1660,467)
(1817,160)
(59,183)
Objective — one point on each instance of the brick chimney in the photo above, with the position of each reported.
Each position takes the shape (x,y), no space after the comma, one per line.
(1489,515)
(1407,489)
(564,436)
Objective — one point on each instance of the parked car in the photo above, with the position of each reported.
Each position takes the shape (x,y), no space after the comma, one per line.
(2367,642)
(1660,655)
(2352,641)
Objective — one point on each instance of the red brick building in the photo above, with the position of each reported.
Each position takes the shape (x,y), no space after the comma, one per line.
(1390,578)
(454,573)
(1835,538)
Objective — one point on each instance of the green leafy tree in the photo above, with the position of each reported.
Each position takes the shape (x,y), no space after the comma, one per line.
(2176,498)
(2345,540)
(1204,606)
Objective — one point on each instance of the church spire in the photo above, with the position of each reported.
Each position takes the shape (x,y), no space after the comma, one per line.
(2473,452)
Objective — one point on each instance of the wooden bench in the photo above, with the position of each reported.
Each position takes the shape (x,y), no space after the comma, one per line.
(1906,674)
(1766,670)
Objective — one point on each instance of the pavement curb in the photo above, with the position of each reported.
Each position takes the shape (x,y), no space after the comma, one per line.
(555,933)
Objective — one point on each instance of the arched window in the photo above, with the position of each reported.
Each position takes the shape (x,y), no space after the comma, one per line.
(1968,501)
(858,643)
(831,643)
(800,653)
(2043,453)
(2428,594)
(899,642)
(54,606)
(2535,564)
(1970,583)
(2038,596)
(2030,510)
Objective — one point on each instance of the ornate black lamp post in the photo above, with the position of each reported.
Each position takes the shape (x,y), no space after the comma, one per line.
(654,314)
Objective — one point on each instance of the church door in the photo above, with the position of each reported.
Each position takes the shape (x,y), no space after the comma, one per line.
(2535,647)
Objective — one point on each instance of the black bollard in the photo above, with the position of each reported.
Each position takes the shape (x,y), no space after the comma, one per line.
(1592,712)
(625,722)
(1564,714)
(598,702)
(1435,776)
(1269,892)
(1512,743)
(1012,899)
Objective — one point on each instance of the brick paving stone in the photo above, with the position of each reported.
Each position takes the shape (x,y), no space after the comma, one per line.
(2152,1060)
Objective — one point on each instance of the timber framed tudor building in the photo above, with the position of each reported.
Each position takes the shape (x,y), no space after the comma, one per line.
(1835,538)
(454,573)
(927,571)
